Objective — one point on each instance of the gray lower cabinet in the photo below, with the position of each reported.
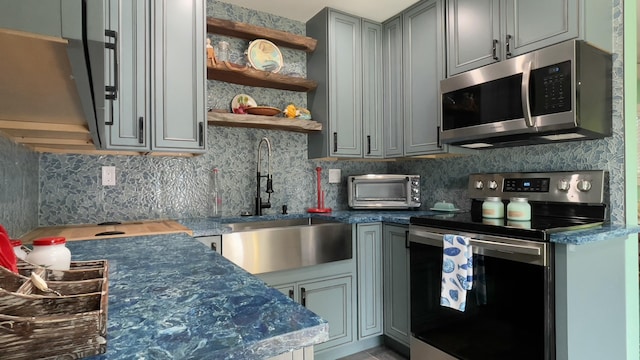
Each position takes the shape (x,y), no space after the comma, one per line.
(480,32)
(348,99)
(159,70)
(396,283)
(300,354)
(369,249)
(331,298)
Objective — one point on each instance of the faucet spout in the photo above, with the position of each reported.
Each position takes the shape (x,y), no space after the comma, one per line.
(259,204)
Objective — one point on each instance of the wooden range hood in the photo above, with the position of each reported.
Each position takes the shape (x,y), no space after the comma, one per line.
(39,100)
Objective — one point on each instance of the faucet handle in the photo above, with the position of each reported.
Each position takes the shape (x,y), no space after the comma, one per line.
(269,185)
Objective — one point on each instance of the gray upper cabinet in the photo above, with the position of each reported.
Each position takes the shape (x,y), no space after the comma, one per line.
(127,120)
(392,88)
(348,99)
(372,89)
(473,34)
(337,101)
(423,68)
(480,32)
(160,71)
(178,76)
(35,16)
(532,25)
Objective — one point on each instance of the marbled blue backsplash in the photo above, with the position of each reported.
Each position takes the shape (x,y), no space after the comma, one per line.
(18,188)
(171,187)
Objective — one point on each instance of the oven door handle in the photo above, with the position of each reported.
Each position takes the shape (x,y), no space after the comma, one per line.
(427,238)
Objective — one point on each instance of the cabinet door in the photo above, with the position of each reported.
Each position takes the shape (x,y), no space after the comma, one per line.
(127,121)
(36,16)
(396,283)
(423,69)
(299,354)
(392,85)
(473,34)
(369,249)
(345,85)
(532,25)
(372,89)
(178,75)
(332,300)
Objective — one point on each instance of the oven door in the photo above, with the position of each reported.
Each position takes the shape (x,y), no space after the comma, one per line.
(509,312)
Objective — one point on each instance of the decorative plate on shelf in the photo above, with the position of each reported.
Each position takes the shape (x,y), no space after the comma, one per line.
(263,110)
(264,55)
(241,103)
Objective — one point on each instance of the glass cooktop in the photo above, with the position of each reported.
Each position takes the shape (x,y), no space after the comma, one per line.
(537,229)
(546,218)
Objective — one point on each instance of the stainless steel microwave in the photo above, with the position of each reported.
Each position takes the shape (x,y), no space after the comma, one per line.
(384,191)
(559,93)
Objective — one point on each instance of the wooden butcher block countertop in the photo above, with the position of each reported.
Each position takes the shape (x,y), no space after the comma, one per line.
(93,231)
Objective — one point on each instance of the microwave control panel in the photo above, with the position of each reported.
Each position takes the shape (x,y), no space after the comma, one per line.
(550,89)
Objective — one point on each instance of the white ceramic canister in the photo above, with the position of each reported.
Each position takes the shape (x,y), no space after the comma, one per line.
(17,248)
(50,253)
(493,208)
(519,209)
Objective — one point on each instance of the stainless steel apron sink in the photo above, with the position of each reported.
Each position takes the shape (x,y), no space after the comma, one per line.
(266,246)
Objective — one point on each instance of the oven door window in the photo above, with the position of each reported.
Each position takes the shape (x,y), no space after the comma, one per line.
(505,315)
(380,191)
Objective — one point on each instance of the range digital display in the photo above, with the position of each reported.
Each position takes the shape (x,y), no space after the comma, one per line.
(526,185)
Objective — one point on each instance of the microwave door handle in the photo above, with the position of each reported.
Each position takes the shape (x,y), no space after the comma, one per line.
(526,100)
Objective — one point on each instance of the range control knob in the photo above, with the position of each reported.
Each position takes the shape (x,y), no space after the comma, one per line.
(584,185)
(479,185)
(493,184)
(564,185)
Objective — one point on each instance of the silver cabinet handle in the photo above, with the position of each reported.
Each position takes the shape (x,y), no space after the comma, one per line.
(508,46)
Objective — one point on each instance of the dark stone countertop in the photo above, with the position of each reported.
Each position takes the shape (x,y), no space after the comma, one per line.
(217,226)
(172,298)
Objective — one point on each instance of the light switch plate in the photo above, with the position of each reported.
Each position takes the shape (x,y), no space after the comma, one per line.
(108,175)
(334,176)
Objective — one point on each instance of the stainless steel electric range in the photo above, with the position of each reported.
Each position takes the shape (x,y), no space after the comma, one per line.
(510,310)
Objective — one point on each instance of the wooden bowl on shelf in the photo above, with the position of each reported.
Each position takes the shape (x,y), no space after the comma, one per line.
(263,110)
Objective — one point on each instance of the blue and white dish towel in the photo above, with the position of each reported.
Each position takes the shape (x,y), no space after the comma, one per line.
(457,271)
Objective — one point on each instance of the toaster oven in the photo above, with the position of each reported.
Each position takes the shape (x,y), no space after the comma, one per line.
(384,191)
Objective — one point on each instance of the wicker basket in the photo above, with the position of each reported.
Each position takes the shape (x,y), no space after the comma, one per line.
(36,324)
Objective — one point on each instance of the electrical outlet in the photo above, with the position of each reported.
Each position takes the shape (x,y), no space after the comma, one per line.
(108,175)
(334,176)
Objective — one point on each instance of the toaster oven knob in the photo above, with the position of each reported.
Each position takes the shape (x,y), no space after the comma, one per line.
(584,185)
(415,199)
(493,185)
(479,185)
(563,185)
(415,190)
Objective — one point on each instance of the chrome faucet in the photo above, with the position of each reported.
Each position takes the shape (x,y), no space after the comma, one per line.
(259,204)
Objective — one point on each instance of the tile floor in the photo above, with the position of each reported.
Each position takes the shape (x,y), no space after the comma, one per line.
(377,353)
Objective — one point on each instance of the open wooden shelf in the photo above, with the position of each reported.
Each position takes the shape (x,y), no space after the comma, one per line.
(263,122)
(244,75)
(252,32)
